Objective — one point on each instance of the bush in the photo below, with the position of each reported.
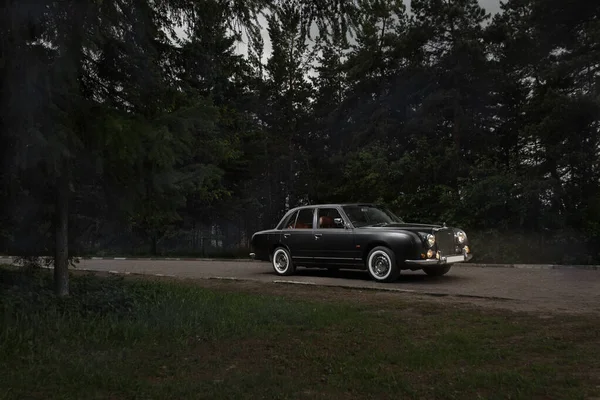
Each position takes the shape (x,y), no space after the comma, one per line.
(30,263)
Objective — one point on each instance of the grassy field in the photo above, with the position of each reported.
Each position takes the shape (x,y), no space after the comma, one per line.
(140,338)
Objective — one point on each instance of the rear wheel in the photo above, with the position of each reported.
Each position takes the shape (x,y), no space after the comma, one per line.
(437,271)
(381,264)
(282,262)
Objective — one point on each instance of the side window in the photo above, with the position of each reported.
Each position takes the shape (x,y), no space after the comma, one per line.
(305,218)
(326,218)
(288,223)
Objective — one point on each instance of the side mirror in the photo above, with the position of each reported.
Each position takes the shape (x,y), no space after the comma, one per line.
(338,222)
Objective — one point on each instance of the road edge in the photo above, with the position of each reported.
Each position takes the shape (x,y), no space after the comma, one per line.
(276,281)
(243,260)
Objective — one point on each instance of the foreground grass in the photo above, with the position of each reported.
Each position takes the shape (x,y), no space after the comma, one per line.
(140,338)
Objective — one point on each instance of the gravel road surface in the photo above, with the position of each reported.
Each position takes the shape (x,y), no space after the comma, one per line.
(569,290)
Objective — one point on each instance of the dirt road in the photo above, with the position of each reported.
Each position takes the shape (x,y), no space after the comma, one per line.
(569,290)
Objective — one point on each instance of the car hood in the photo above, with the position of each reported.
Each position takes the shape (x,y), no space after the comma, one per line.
(412,227)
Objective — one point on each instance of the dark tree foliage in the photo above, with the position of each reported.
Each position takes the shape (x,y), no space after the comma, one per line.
(134,126)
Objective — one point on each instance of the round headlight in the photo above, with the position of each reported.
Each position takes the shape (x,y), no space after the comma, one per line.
(461,236)
(430,240)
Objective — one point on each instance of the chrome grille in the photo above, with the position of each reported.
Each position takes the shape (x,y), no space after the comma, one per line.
(445,241)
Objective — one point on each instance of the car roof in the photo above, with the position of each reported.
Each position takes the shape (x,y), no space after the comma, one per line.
(334,205)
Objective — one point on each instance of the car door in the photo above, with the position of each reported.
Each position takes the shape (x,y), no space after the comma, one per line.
(300,238)
(334,242)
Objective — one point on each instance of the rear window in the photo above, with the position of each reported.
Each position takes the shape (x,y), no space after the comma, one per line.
(288,222)
(305,219)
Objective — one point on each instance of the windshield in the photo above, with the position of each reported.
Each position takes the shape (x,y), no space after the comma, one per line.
(370,215)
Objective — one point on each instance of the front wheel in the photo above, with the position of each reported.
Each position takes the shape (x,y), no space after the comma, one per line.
(381,264)
(437,271)
(282,262)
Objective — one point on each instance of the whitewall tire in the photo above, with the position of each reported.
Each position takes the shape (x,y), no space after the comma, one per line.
(381,264)
(282,262)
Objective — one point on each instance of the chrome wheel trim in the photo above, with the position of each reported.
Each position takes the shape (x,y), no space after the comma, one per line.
(380,264)
(281,261)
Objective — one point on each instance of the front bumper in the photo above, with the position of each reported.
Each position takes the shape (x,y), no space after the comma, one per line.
(442,260)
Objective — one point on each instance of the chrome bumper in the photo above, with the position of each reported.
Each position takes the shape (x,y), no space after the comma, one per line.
(443,260)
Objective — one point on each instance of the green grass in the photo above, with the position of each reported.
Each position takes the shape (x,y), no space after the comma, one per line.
(141,338)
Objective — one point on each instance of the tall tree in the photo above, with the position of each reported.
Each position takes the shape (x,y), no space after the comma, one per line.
(287,93)
(324,137)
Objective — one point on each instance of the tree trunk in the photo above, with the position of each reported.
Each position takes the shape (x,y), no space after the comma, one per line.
(61,237)
(154,249)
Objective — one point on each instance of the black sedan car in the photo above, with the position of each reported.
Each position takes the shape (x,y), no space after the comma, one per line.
(358,236)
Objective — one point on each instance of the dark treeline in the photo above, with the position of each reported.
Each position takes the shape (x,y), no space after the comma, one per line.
(117,136)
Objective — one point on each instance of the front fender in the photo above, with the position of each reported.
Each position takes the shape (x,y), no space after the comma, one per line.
(404,244)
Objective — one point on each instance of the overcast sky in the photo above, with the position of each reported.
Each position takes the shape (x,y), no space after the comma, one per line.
(491,6)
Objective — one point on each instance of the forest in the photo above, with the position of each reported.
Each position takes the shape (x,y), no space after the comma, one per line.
(138,127)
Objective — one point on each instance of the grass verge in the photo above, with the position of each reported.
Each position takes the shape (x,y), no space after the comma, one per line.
(149,338)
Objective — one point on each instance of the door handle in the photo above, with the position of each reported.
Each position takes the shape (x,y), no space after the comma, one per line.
(286,235)
(318,235)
